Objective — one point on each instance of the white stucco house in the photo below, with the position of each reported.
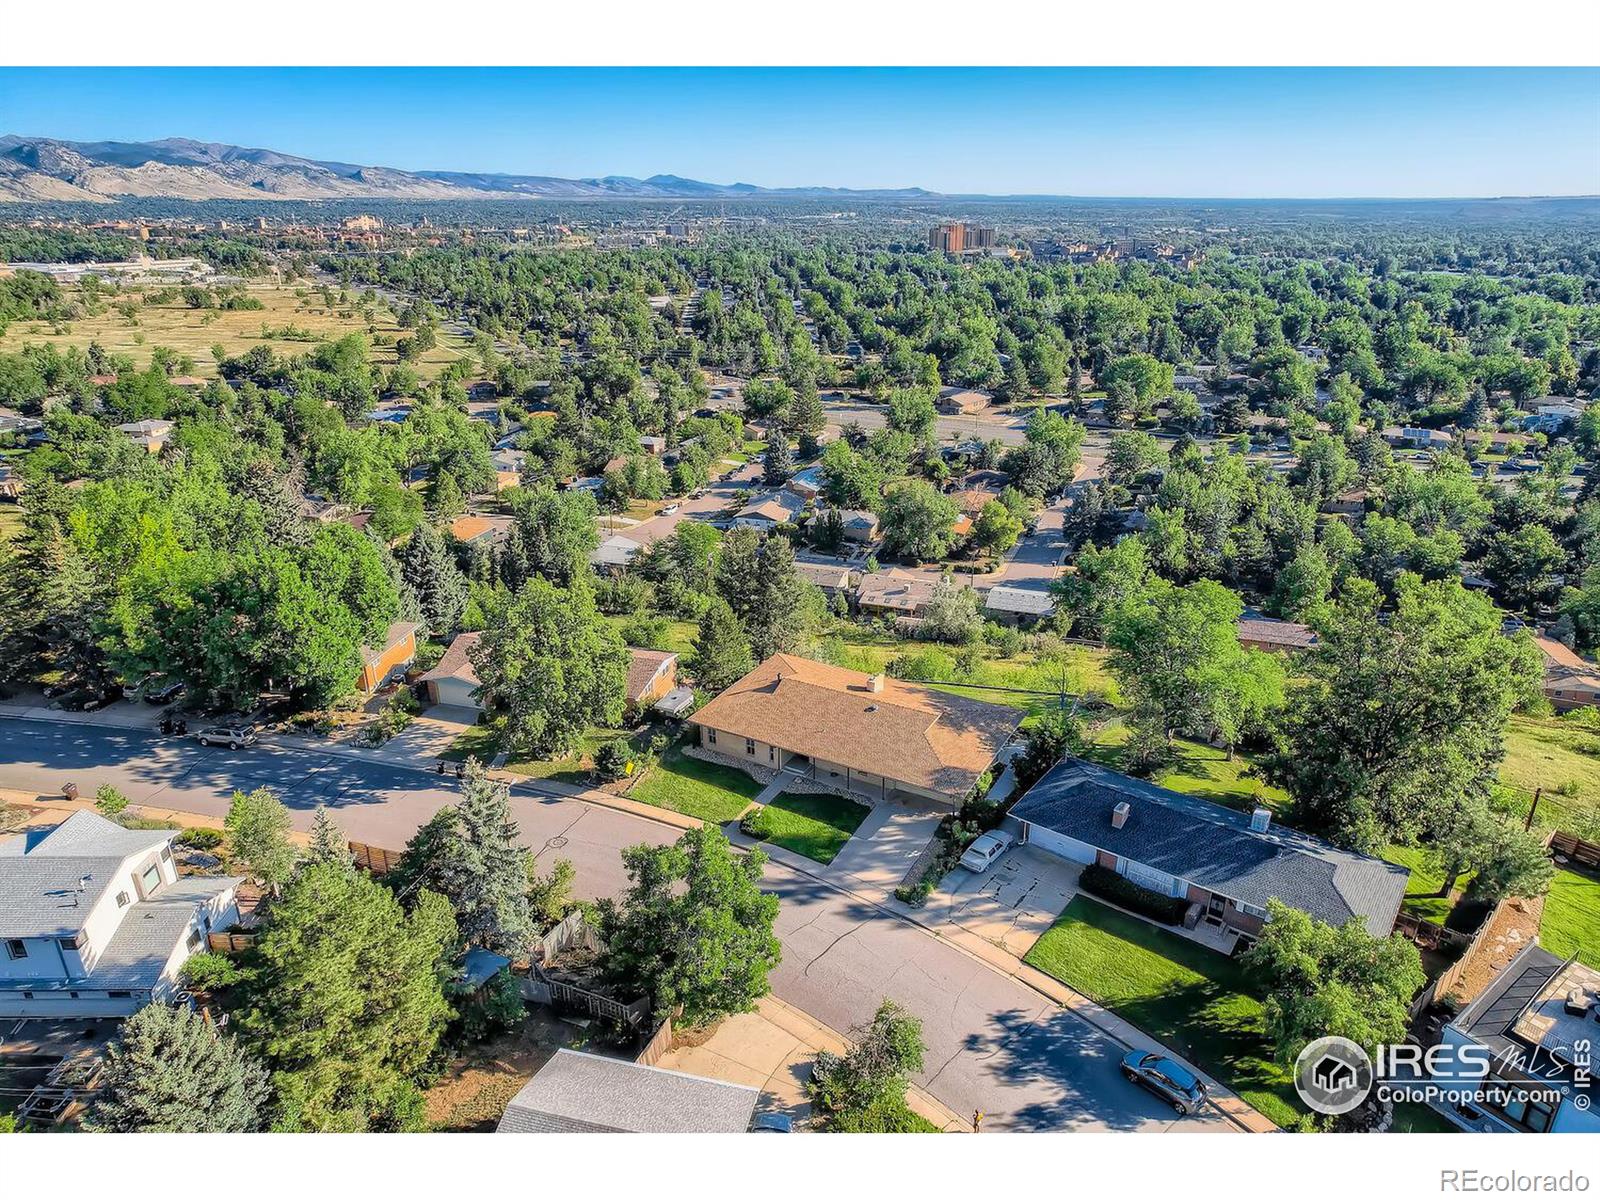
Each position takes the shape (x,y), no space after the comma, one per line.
(95,920)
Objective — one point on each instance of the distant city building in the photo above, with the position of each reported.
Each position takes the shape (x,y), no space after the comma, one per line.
(957,237)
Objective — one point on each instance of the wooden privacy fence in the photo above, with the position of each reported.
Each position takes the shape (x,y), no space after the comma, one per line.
(229,943)
(1429,935)
(374,859)
(660,1042)
(1571,846)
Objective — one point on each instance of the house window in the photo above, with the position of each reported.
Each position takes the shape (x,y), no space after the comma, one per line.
(750,746)
(151,879)
(68,944)
(711,737)
(27,995)
(1532,1114)
(122,899)
(194,940)
(119,995)
(16,948)
(772,754)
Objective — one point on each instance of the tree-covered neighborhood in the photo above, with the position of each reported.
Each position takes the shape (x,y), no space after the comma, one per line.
(480,663)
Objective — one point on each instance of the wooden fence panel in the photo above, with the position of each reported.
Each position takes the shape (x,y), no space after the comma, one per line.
(1571,846)
(229,943)
(374,859)
(660,1042)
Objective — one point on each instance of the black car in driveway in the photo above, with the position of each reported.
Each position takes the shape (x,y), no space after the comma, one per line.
(1167,1079)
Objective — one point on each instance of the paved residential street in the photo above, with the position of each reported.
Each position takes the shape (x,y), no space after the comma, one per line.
(993,1043)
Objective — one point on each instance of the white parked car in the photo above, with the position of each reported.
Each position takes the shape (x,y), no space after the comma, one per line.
(985,848)
(669,510)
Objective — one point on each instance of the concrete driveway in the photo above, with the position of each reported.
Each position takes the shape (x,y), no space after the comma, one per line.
(876,858)
(1012,903)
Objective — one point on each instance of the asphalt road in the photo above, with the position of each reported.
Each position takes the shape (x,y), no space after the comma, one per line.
(993,1044)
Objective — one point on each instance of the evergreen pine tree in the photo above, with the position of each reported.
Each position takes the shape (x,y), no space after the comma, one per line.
(171,1072)
(328,843)
(429,569)
(469,855)
(722,652)
(778,463)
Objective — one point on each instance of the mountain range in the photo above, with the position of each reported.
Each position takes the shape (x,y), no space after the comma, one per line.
(42,169)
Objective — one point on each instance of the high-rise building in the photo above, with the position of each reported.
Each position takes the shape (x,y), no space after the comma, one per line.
(949,238)
(957,237)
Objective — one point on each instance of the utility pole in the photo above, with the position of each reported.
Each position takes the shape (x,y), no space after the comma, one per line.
(1532,808)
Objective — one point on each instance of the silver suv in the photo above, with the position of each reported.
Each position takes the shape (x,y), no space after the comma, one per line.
(231,736)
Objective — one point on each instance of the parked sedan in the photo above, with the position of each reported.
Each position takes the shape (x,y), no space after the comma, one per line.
(1165,1078)
(231,736)
(985,848)
(164,693)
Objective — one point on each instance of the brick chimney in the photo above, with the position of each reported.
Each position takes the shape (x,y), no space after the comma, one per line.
(1119,814)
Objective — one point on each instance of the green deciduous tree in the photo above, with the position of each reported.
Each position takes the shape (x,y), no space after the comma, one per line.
(555,665)
(917,520)
(1396,721)
(874,1072)
(257,827)
(694,928)
(1323,981)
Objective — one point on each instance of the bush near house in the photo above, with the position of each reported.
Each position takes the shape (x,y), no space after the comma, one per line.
(1123,892)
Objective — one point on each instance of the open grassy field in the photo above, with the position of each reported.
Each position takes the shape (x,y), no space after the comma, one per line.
(706,790)
(865,648)
(193,331)
(1182,994)
(1562,757)
(1571,922)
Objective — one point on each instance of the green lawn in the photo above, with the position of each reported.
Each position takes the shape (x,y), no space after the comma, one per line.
(1562,757)
(1427,877)
(1571,922)
(573,768)
(816,826)
(1082,668)
(1200,770)
(680,635)
(706,790)
(1180,993)
(481,742)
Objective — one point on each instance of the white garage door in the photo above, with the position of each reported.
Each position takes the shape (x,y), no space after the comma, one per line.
(457,692)
(1060,845)
(1156,881)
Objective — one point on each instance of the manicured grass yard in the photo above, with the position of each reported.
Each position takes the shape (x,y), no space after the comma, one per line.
(1571,922)
(481,742)
(816,826)
(706,790)
(1427,877)
(1200,770)
(1182,994)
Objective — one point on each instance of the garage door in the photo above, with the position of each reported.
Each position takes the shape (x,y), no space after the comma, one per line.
(1060,845)
(1156,881)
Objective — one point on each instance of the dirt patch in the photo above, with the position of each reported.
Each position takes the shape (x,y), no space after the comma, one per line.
(473,1093)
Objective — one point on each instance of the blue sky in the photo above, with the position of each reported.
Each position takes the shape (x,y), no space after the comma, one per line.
(1075,131)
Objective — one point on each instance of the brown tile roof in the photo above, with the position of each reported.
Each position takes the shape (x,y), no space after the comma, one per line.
(472,527)
(456,663)
(1558,654)
(642,668)
(910,734)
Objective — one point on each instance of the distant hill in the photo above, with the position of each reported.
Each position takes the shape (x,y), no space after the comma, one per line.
(33,168)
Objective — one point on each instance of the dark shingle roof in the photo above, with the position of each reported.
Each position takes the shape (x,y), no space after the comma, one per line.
(584,1093)
(1214,846)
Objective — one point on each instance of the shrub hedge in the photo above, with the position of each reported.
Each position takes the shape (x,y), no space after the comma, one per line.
(1122,891)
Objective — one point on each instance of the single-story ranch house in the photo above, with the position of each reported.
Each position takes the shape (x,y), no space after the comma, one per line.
(862,734)
(652,676)
(96,921)
(1228,864)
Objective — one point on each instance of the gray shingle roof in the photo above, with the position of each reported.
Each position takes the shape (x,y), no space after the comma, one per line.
(41,873)
(1215,846)
(584,1093)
